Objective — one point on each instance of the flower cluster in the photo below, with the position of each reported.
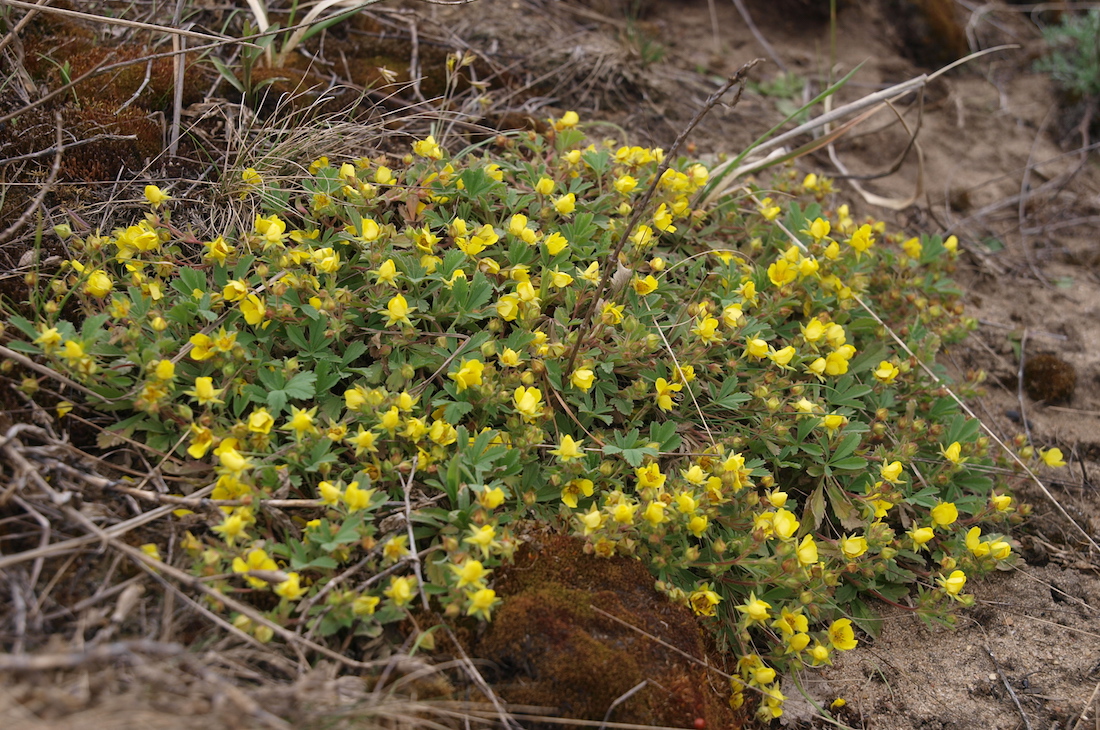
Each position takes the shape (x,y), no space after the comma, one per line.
(411,334)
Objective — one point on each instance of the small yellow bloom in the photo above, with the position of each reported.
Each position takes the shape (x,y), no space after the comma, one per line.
(1052,458)
(892,472)
(156,196)
(99,284)
(807,551)
(920,536)
(427,148)
(402,589)
(470,573)
(528,402)
(555,243)
(886,372)
(853,546)
(301,421)
(841,635)
(468,375)
(568,449)
(544,186)
(204,392)
(756,348)
(482,537)
(481,602)
(575,489)
(260,421)
(645,286)
(356,498)
(583,378)
(704,601)
(1001,502)
(397,310)
(655,513)
(566,204)
(755,610)
(164,370)
(953,453)
(665,391)
(944,514)
(953,583)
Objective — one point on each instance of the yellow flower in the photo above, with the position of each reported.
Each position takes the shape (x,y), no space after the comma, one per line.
(566,204)
(920,536)
(490,499)
(250,177)
(645,286)
(470,573)
(841,635)
(783,357)
(301,421)
(625,184)
(202,347)
(528,402)
(568,120)
(151,550)
(912,248)
(356,498)
(1052,458)
(1001,502)
(568,449)
(232,527)
(482,537)
(807,551)
(819,229)
(481,602)
(944,514)
(886,372)
(254,560)
(861,240)
(706,329)
(892,472)
(654,513)
(49,338)
(99,284)
(665,392)
(784,524)
(832,422)
(755,610)
(756,348)
(362,441)
(202,439)
(254,309)
(555,243)
(953,453)
(230,458)
(583,378)
(365,605)
(623,513)
(704,601)
(397,310)
(330,494)
(155,195)
(611,314)
(427,148)
(853,546)
(544,186)
(782,272)
(508,307)
(953,583)
(574,489)
(164,370)
(204,392)
(468,375)
(260,421)
(235,290)
(650,476)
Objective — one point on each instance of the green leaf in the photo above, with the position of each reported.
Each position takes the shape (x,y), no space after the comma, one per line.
(301,386)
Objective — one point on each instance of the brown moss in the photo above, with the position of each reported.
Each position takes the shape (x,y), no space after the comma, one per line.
(552,648)
(1049,378)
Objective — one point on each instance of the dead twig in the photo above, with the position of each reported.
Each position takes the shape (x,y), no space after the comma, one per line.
(1011,692)
(119,650)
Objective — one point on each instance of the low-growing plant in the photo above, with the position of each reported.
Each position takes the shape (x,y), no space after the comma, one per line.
(1073,58)
(399,345)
